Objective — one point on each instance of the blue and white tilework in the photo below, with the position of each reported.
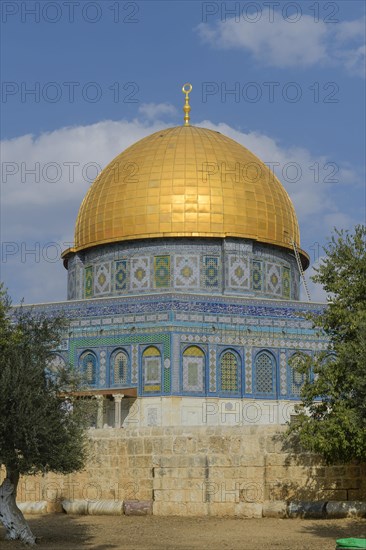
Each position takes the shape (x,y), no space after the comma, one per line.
(102,279)
(186,272)
(140,273)
(242,268)
(239,274)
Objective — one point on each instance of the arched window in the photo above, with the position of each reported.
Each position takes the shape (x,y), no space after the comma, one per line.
(88,363)
(119,367)
(151,368)
(229,372)
(193,369)
(324,360)
(297,378)
(264,369)
(329,358)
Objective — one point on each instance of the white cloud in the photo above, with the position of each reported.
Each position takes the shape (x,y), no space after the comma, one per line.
(35,214)
(314,199)
(152,111)
(58,167)
(350,30)
(303,43)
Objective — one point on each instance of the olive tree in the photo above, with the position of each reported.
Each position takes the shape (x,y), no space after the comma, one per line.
(38,432)
(331,418)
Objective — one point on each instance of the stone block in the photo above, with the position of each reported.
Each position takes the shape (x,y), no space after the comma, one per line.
(168,483)
(255,460)
(184,445)
(248,510)
(163,483)
(171,509)
(356,494)
(335,510)
(180,461)
(235,445)
(145,484)
(143,461)
(38,507)
(135,474)
(148,447)
(169,495)
(219,444)
(195,495)
(167,445)
(307,509)
(75,507)
(114,461)
(138,507)
(274,509)
(354,471)
(332,494)
(195,484)
(221,509)
(220,473)
(224,460)
(198,509)
(273,445)
(188,473)
(135,447)
(337,471)
(251,492)
(280,459)
(252,473)
(105,508)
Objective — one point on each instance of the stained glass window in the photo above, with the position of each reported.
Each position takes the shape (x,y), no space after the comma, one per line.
(120,367)
(229,372)
(297,378)
(193,369)
(151,364)
(89,367)
(264,373)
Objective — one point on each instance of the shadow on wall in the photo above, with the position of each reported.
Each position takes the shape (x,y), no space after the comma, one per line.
(305,476)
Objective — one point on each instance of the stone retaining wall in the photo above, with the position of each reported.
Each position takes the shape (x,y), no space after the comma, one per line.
(197,471)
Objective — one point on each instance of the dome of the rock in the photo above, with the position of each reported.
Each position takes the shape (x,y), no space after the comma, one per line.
(186,181)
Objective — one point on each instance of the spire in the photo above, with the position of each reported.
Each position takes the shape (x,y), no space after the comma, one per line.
(187,88)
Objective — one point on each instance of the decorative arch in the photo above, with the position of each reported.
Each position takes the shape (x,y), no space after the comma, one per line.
(329,358)
(151,369)
(265,373)
(230,371)
(119,366)
(297,378)
(193,369)
(88,363)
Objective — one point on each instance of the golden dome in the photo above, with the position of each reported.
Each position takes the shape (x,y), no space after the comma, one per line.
(186,182)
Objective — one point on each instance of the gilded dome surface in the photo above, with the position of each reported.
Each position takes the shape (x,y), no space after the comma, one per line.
(186,181)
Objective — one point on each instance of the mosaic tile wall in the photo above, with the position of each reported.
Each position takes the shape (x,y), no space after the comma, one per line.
(196,364)
(205,266)
(187,345)
(194,359)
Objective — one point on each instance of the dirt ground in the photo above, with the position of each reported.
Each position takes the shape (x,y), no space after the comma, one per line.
(63,532)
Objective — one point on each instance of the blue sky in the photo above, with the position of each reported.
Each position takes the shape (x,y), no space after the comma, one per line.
(107,73)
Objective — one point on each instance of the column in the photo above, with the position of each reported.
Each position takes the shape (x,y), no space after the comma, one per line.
(100,411)
(117,409)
